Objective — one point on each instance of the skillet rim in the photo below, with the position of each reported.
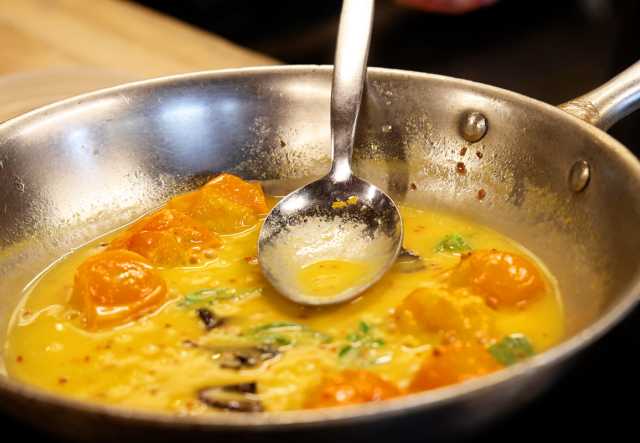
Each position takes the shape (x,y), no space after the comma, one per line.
(414,403)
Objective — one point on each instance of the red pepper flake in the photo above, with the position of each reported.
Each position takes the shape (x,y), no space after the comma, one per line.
(437,352)
(19,359)
(62,381)
(413,186)
(479,154)
(482,194)
(461,168)
(463,151)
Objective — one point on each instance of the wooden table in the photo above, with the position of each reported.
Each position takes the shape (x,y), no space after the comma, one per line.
(51,49)
(37,34)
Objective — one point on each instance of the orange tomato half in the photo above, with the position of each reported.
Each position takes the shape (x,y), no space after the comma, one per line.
(452,364)
(240,191)
(170,238)
(504,279)
(115,287)
(352,387)
(226,204)
(431,311)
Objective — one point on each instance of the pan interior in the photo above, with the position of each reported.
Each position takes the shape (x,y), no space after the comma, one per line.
(73,171)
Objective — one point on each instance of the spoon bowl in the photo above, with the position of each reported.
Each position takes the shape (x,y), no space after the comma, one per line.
(349,222)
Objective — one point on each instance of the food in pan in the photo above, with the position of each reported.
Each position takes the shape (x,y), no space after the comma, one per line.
(172,313)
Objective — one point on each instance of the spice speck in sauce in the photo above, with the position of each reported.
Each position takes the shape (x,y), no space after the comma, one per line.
(479,154)
(463,151)
(461,168)
(482,194)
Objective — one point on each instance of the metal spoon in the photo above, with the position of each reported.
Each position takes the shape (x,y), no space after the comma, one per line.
(339,217)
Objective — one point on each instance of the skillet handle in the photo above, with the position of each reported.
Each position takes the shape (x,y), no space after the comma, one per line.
(610,102)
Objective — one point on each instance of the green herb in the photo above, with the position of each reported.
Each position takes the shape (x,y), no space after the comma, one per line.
(279,340)
(361,341)
(354,336)
(286,333)
(215,294)
(511,349)
(344,351)
(453,243)
(277,325)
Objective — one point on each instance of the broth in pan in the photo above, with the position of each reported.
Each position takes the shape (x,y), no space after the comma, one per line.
(172,313)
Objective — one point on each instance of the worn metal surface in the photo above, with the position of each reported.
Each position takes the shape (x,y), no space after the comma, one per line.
(609,103)
(473,126)
(579,175)
(74,170)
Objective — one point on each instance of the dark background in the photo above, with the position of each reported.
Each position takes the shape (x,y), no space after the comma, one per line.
(550,50)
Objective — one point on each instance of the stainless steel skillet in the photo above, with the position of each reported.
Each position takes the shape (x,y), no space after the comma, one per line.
(559,185)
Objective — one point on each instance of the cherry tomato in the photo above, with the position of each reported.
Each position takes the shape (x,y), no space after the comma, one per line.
(437,312)
(452,364)
(168,237)
(504,279)
(239,191)
(115,287)
(227,204)
(352,387)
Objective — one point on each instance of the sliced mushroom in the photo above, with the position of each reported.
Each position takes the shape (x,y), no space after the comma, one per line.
(243,388)
(238,398)
(209,319)
(247,357)
(408,261)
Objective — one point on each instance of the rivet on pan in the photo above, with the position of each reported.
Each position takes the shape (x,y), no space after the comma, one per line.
(579,175)
(473,126)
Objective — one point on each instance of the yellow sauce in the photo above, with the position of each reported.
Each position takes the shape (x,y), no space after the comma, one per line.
(152,363)
(330,277)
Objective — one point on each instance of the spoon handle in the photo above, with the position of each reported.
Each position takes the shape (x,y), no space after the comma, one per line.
(350,66)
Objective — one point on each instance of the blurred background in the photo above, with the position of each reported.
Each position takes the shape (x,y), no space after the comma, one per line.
(549,50)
